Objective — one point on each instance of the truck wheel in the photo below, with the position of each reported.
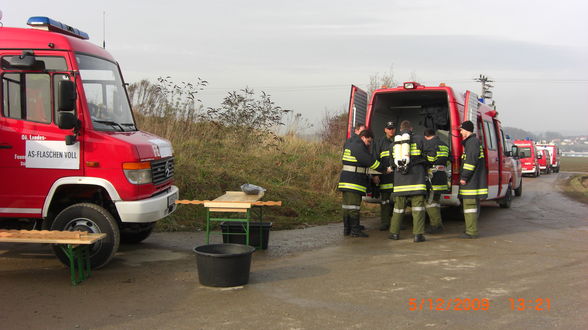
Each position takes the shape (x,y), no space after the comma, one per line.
(505,201)
(135,233)
(519,191)
(93,219)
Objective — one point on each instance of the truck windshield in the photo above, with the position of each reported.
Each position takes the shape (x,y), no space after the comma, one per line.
(107,100)
(524,152)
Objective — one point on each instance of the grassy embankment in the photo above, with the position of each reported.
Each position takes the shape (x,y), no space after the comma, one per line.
(212,159)
(576,186)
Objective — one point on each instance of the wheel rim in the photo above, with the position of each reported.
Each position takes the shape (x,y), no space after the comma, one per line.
(86,225)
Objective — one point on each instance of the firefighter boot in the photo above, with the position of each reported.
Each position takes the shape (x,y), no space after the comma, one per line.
(356,228)
(346,226)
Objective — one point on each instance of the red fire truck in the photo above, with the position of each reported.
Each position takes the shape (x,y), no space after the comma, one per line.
(544,160)
(71,155)
(442,109)
(529,156)
(554,153)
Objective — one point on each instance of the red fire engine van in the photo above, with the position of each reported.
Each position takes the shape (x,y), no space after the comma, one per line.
(544,160)
(71,155)
(554,153)
(443,110)
(529,156)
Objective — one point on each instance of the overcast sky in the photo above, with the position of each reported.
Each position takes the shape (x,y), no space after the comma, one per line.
(306,54)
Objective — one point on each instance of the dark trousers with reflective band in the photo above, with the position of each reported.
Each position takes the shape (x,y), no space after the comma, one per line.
(434,210)
(471,210)
(351,207)
(386,207)
(418,213)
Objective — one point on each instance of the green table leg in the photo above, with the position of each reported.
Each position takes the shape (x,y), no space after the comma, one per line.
(79,262)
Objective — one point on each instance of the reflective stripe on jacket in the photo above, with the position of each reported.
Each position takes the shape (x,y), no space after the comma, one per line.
(357,154)
(473,169)
(413,182)
(382,152)
(437,153)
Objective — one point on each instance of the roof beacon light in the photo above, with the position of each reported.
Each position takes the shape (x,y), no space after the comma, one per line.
(48,24)
(410,85)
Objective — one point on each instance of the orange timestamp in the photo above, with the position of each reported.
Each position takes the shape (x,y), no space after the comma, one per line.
(452,304)
(476,304)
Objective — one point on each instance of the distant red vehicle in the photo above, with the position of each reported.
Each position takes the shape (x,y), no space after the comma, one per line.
(529,156)
(554,153)
(544,160)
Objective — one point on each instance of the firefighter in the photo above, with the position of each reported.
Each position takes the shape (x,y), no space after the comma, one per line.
(409,181)
(437,154)
(385,181)
(473,185)
(353,182)
(355,134)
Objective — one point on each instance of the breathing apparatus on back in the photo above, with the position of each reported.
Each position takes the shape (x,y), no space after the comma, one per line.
(401,151)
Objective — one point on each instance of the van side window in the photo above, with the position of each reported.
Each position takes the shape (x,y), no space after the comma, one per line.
(504,147)
(490,135)
(27,96)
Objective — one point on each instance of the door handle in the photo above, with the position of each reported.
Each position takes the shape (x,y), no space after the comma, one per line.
(5,146)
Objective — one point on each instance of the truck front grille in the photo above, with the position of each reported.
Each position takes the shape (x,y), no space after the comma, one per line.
(162,170)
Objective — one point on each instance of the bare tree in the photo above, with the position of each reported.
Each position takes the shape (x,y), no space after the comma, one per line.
(378,80)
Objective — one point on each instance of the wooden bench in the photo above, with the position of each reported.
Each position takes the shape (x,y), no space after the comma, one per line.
(75,245)
(232,202)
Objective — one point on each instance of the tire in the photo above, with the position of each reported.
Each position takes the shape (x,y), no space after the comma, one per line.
(506,201)
(93,219)
(135,233)
(519,191)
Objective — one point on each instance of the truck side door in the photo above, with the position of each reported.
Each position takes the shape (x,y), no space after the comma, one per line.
(33,154)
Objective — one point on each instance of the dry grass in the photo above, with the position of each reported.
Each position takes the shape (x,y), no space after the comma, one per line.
(211,159)
(576,187)
(574,164)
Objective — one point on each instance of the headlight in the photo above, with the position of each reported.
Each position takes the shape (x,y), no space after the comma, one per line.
(138,173)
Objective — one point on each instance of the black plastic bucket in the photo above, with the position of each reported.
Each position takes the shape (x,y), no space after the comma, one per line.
(234,232)
(223,265)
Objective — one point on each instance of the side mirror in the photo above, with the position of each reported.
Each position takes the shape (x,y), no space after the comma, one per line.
(67,96)
(514,151)
(67,120)
(539,156)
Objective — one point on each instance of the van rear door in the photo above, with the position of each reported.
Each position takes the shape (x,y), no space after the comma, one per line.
(357,108)
(470,111)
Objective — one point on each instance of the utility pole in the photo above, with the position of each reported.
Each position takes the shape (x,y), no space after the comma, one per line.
(486,92)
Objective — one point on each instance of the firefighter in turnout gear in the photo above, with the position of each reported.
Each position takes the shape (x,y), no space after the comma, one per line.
(385,181)
(353,182)
(473,184)
(409,181)
(437,154)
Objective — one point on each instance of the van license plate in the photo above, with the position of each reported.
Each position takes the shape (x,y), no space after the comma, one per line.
(171,200)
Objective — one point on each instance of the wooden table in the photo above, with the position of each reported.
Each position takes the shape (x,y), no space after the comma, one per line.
(232,202)
(75,245)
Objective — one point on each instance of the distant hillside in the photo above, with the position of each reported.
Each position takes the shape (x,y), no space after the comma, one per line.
(519,134)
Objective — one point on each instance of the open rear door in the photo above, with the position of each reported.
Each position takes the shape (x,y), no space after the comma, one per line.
(357,108)
(471,109)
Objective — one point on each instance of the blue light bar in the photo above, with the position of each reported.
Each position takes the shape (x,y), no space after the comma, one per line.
(56,26)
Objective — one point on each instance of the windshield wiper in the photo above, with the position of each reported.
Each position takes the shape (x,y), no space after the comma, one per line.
(129,125)
(112,123)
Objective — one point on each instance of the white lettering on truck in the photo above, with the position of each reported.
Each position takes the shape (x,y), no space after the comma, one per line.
(52,154)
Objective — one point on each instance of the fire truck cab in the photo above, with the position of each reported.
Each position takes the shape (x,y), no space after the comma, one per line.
(443,110)
(71,155)
(529,156)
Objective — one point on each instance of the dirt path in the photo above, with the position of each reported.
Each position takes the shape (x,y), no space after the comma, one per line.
(315,279)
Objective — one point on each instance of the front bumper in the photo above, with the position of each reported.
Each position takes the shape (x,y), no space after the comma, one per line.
(150,209)
(531,171)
